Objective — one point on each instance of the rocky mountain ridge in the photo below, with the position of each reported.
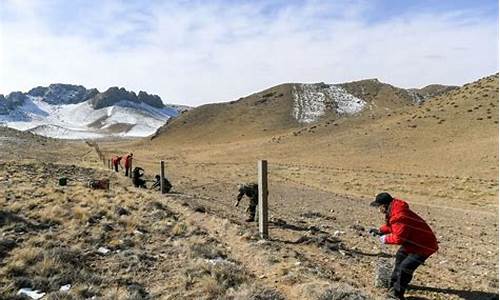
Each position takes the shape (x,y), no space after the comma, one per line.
(74,112)
(60,94)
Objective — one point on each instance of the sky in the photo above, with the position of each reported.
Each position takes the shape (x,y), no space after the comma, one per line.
(197,52)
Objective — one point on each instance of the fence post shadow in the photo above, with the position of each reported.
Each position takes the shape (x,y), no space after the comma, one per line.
(467,295)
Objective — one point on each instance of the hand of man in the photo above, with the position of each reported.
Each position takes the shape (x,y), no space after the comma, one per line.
(374,232)
(382,239)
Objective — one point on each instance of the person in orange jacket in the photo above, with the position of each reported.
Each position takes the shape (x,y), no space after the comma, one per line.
(116,160)
(404,227)
(128,164)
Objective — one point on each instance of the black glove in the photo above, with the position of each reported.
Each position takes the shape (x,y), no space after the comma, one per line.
(374,232)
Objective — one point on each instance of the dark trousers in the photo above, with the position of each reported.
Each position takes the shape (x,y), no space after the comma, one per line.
(139,183)
(252,208)
(116,167)
(405,266)
(126,171)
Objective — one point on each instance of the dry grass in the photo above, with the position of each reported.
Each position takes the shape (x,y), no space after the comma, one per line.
(342,291)
(254,291)
(206,251)
(179,229)
(214,277)
(64,227)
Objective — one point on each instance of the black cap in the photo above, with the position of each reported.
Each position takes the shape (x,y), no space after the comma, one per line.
(382,199)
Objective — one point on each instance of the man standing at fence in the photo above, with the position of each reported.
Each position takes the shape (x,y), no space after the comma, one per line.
(404,227)
(116,160)
(128,163)
(251,190)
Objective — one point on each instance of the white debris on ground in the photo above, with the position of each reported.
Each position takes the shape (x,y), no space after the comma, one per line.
(103,250)
(338,233)
(33,294)
(65,288)
(219,260)
(311,101)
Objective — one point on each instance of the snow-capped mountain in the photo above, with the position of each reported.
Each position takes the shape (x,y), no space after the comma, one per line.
(74,112)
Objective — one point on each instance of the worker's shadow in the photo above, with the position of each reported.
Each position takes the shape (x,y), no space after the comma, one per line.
(361,253)
(283,225)
(467,295)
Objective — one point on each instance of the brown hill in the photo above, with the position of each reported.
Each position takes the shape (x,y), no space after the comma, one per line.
(288,107)
(249,116)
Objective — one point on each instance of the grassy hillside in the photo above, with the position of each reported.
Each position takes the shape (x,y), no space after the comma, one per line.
(271,112)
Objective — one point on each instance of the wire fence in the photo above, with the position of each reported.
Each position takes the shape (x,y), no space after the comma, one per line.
(225,186)
(213,184)
(208,178)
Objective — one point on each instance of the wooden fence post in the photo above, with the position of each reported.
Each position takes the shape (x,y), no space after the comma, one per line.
(263,226)
(162,176)
(130,166)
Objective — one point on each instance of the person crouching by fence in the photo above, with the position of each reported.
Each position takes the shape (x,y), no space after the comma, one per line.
(251,190)
(116,160)
(166,184)
(136,177)
(128,163)
(403,227)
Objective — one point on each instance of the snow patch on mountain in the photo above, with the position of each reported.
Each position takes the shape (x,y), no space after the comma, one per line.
(59,132)
(311,101)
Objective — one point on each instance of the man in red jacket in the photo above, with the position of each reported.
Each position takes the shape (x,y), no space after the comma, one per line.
(116,160)
(404,227)
(128,164)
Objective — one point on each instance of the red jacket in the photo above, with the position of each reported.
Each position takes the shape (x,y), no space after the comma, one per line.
(406,228)
(127,161)
(116,160)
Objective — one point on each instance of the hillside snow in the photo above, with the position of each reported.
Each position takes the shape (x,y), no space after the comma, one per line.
(311,101)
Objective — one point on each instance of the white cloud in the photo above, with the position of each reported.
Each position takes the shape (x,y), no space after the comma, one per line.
(201,53)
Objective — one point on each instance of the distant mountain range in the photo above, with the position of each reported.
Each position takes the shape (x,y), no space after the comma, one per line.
(74,112)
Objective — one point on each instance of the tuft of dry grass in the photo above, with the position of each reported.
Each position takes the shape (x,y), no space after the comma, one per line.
(81,214)
(214,277)
(255,291)
(47,269)
(206,251)
(179,229)
(342,291)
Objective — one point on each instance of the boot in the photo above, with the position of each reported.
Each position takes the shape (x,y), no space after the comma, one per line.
(250,219)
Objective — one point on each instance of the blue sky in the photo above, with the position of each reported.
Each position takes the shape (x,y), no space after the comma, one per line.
(195,52)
